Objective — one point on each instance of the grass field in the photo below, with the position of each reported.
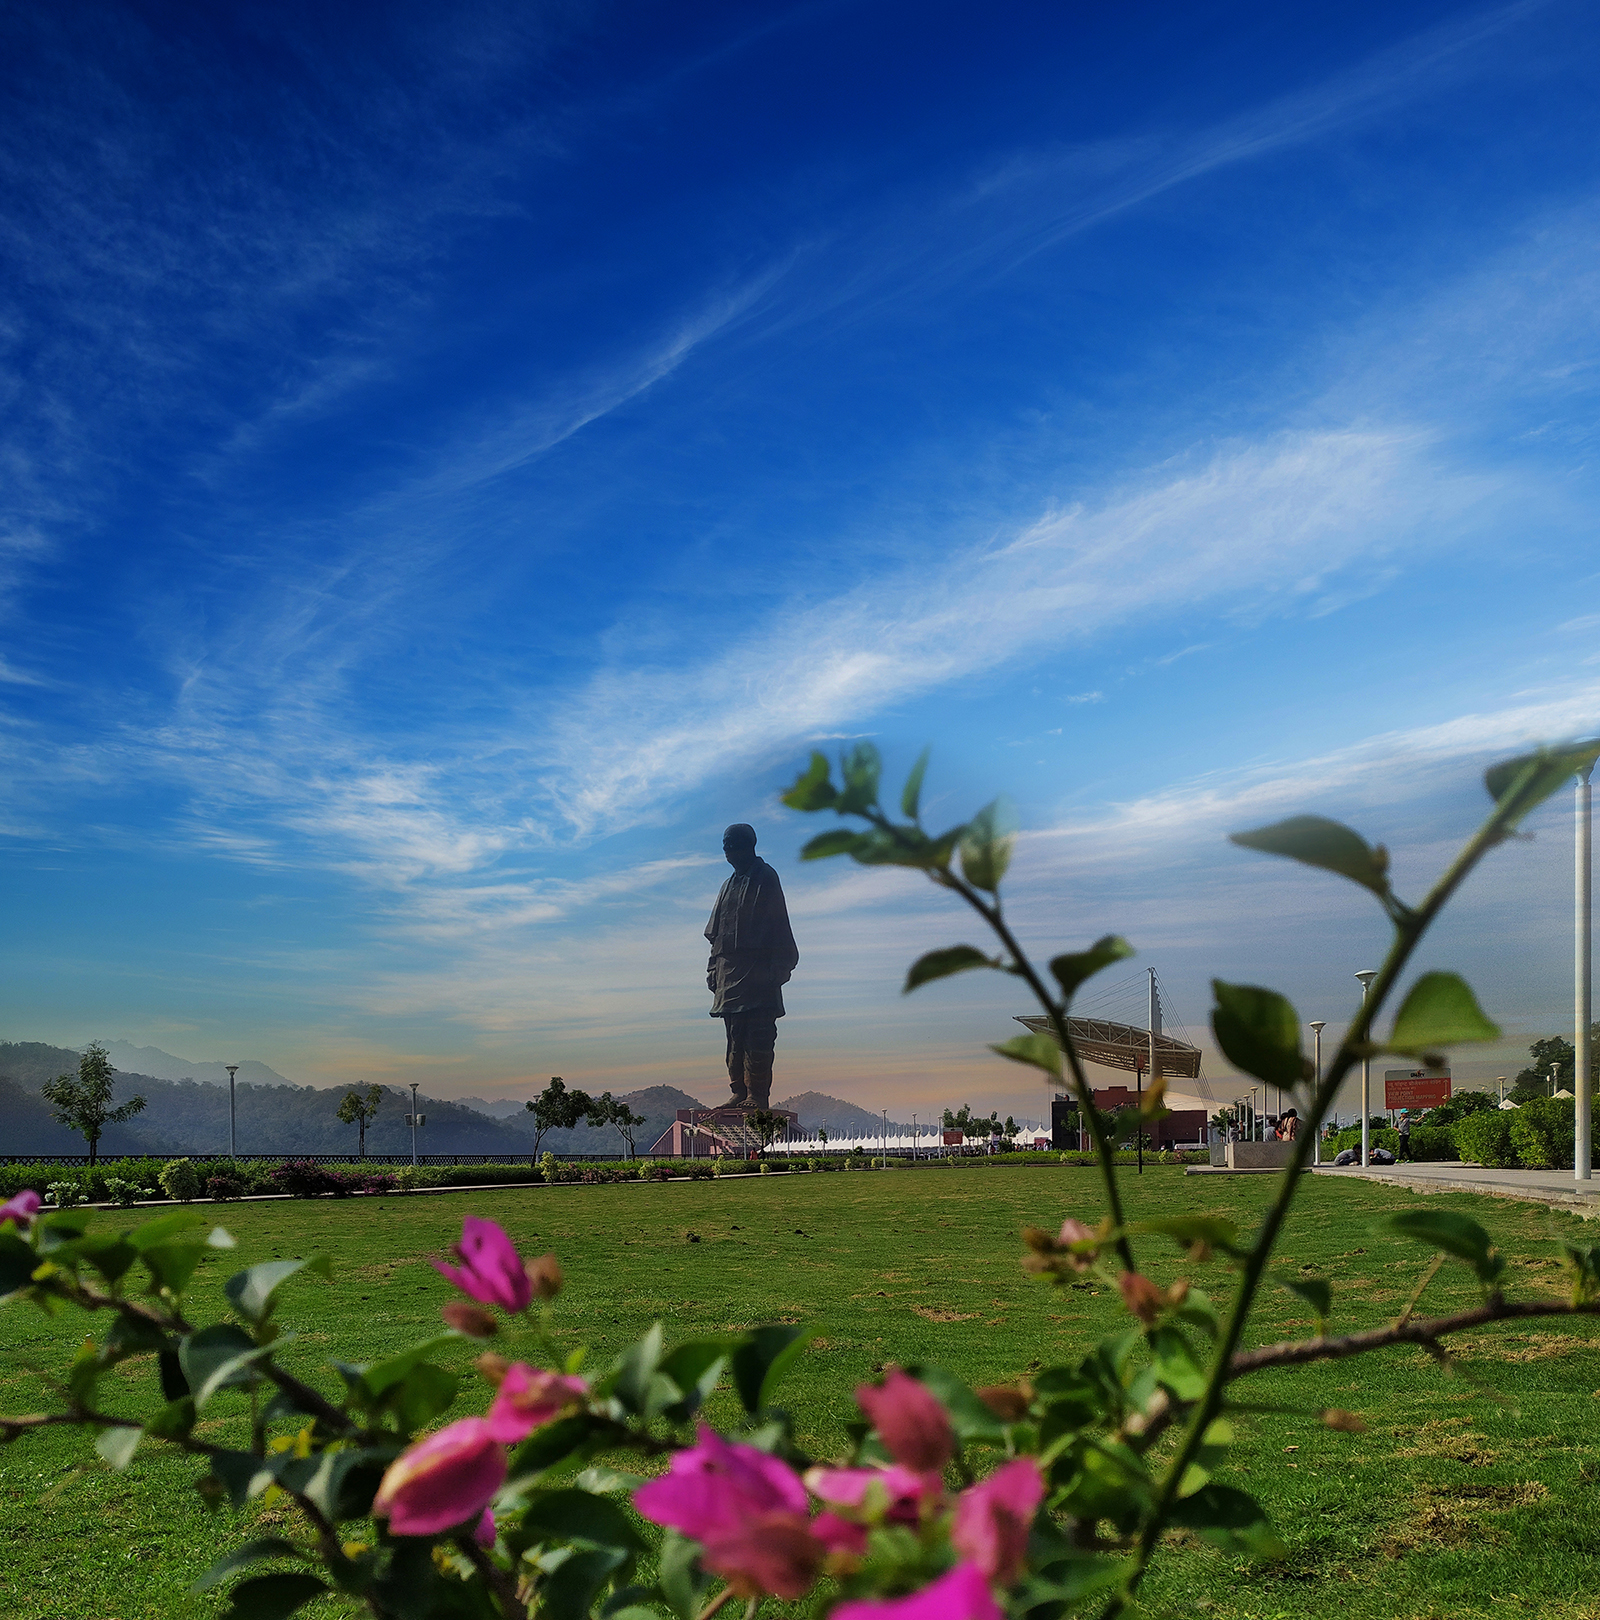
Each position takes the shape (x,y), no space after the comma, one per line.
(1456,1502)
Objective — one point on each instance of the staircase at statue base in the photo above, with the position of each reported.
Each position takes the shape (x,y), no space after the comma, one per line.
(714,1133)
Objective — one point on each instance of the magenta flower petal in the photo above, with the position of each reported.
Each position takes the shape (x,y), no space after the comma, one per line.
(770,1553)
(485,1532)
(491,1270)
(993,1518)
(896,1493)
(840,1535)
(22,1208)
(914,1427)
(961,1594)
(445,1480)
(529,1396)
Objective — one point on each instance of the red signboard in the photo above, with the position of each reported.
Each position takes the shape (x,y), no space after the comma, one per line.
(954,1138)
(1415,1088)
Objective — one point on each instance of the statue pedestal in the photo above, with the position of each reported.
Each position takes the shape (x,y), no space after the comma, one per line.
(714,1133)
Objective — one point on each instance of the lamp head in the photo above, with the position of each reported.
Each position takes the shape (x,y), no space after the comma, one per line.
(1319,1024)
(1366,977)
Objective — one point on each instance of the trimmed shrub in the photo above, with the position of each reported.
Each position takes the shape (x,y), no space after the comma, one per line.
(224,1185)
(64,1194)
(1541,1133)
(1485,1138)
(123,1193)
(180,1180)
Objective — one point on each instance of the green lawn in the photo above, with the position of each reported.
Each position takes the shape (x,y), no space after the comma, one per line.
(1456,1502)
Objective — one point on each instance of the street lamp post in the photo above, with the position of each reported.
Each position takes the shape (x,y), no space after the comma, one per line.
(1501,1083)
(1366,977)
(913,1138)
(233,1069)
(1582,986)
(411,1120)
(1317,1027)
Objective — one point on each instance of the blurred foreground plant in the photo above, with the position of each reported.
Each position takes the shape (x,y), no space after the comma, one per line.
(1040,1498)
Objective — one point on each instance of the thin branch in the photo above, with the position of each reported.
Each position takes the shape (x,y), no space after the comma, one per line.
(497,1580)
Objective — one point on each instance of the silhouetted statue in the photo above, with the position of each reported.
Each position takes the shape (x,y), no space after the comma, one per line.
(752,955)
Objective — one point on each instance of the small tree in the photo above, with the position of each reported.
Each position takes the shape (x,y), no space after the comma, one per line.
(82,1102)
(608,1111)
(360,1109)
(557,1109)
(767,1125)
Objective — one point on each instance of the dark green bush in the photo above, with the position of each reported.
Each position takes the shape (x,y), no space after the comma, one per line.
(1485,1138)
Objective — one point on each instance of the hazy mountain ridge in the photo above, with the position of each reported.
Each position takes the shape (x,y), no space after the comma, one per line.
(837,1117)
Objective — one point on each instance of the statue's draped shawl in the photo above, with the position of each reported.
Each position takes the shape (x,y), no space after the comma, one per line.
(752,945)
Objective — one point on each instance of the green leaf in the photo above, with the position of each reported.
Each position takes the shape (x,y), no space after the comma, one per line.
(378,1377)
(251,1292)
(1187,1230)
(860,769)
(1327,844)
(418,1398)
(1198,1311)
(1440,1010)
(341,1484)
(571,1588)
(171,1265)
(552,1443)
(634,1369)
(244,1474)
(1228,1518)
(1176,1365)
(118,1445)
(1076,966)
(681,1579)
(941,964)
(272,1597)
(1259,1031)
(250,1553)
(761,1361)
(218,1357)
(911,797)
(696,1370)
(1039,1050)
(18,1263)
(574,1515)
(1316,1292)
(1213,1451)
(812,789)
(1523,784)
(164,1228)
(1457,1235)
(986,845)
(841,841)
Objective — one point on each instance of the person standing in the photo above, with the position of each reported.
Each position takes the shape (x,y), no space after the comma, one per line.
(753,954)
(1405,1138)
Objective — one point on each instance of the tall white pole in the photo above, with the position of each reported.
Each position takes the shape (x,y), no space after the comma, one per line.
(1366,979)
(1317,1027)
(233,1069)
(414,1085)
(1582,982)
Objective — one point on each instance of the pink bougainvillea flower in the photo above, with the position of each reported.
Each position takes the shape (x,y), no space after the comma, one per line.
(993,1518)
(445,1480)
(746,1508)
(529,1396)
(896,1494)
(485,1532)
(491,1270)
(1076,1232)
(1141,1296)
(840,1535)
(22,1208)
(960,1594)
(914,1427)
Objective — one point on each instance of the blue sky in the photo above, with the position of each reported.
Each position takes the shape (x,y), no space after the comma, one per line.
(456,461)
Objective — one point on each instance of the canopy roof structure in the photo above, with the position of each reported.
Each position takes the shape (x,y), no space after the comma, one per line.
(1123,1046)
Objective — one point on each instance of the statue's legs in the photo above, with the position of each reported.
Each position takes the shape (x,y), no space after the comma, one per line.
(752,1039)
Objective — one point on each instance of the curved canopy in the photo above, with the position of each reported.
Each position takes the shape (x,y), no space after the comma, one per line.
(1123,1046)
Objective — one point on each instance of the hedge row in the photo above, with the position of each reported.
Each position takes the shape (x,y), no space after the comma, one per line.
(1536,1136)
(135,1180)
(1433,1143)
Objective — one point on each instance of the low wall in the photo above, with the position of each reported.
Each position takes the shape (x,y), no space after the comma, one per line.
(1259,1155)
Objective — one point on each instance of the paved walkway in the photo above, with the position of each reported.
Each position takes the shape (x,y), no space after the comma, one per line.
(1536,1186)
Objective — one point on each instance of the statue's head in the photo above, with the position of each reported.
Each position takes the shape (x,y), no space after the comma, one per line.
(739,845)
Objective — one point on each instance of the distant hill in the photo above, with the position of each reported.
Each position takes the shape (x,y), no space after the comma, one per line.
(817,1110)
(161,1065)
(191,1116)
